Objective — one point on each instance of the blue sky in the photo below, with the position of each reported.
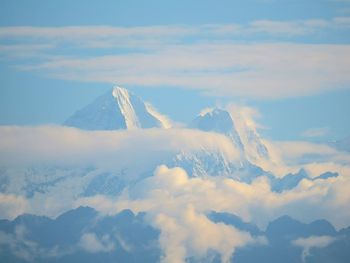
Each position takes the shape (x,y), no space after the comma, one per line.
(288,59)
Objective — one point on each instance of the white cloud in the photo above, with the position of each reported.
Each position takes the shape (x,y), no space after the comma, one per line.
(26,249)
(254,70)
(170,191)
(69,146)
(19,245)
(91,243)
(175,203)
(24,50)
(316,132)
(166,122)
(290,28)
(312,242)
(94,36)
(193,234)
(290,156)
(113,151)
(304,153)
(12,205)
(55,158)
(162,55)
(81,34)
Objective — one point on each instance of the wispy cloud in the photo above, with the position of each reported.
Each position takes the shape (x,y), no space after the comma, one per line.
(92,244)
(312,242)
(316,132)
(86,33)
(12,205)
(250,70)
(205,57)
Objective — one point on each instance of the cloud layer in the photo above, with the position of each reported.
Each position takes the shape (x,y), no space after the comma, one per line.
(175,203)
(69,146)
(219,60)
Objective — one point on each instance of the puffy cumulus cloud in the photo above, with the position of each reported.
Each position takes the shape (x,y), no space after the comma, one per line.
(177,204)
(312,242)
(62,145)
(191,234)
(92,244)
(12,205)
(39,148)
(170,191)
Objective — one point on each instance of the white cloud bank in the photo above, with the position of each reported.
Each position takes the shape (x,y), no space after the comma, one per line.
(175,203)
(21,146)
(171,189)
(55,158)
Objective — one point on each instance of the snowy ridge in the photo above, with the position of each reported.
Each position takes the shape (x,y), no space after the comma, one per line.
(122,97)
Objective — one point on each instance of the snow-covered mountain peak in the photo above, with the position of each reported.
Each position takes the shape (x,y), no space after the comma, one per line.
(215,119)
(254,147)
(117,109)
(237,127)
(220,121)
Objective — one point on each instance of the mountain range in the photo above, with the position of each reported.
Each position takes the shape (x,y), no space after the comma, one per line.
(119,109)
(84,235)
